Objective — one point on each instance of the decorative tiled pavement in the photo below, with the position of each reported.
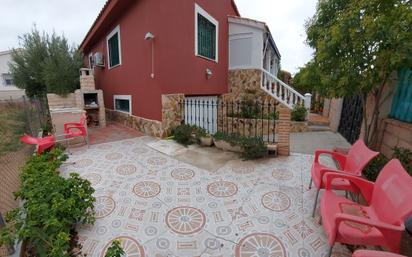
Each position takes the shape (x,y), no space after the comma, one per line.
(158,206)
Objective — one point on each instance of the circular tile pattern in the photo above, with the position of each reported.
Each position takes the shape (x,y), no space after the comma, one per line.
(276,201)
(150,231)
(113,156)
(157,161)
(222,189)
(260,245)
(93,178)
(103,206)
(130,246)
(104,146)
(182,174)
(126,169)
(163,243)
(185,220)
(83,163)
(247,169)
(282,174)
(303,252)
(223,230)
(212,244)
(263,220)
(146,189)
(116,223)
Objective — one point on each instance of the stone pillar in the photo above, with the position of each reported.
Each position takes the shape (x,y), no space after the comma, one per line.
(171,112)
(283,128)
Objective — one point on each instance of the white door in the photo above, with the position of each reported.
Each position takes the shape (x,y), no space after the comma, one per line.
(202,112)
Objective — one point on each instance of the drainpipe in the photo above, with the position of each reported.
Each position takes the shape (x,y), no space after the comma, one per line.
(308,101)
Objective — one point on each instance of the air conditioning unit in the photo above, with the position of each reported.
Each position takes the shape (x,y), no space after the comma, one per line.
(98,59)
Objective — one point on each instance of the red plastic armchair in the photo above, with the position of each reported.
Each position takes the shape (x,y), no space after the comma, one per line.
(365,253)
(77,129)
(380,222)
(42,144)
(358,157)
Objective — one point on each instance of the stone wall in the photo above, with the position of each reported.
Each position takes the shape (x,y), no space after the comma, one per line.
(171,117)
(246,85)
(87,82)
(56,101)
(395,133)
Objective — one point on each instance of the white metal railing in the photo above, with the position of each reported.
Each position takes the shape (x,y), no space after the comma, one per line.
(282,92)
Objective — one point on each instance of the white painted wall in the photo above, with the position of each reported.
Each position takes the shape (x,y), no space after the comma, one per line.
(6,91)
(245,47)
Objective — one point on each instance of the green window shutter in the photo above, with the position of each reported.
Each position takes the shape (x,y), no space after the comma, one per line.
(206,37)
(114,55)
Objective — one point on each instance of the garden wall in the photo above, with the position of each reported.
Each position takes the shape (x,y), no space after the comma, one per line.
(171,117)
(395,134)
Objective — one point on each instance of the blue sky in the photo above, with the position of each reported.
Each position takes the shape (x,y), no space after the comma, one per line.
(285,18)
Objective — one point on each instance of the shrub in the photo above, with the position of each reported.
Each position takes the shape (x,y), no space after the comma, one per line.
(299,113)
(115,250)
(52,205)
(253,147)
(404,155)
(183,134)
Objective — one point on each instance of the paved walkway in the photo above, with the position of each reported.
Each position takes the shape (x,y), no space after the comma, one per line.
(160,206)
(308,142)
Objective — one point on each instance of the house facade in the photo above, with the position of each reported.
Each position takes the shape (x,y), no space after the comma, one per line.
(7,88)
(148,55)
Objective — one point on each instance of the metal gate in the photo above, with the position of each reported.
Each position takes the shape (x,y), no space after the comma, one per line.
(202,112)
(351,118)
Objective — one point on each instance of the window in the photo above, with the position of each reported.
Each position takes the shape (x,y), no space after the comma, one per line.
(123,103)
(7,79)
(114,53)
(206,34)
(91,61)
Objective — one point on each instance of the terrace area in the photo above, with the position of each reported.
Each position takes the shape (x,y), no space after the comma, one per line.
(162,200)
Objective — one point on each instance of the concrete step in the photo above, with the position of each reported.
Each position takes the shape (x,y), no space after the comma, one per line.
(318,128)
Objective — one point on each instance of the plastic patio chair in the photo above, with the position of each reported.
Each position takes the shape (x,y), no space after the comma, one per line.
(358,157)
(366,253)
(381,221)
(77,129)
(42,144)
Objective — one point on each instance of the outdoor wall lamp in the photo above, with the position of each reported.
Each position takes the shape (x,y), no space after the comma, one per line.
(149,37)
(209,73)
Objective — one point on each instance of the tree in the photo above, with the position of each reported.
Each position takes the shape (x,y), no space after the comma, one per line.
(358,45)
(308,79)
(27,63)
(45,64)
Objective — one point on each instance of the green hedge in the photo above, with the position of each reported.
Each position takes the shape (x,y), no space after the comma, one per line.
(52,205)
(253,147)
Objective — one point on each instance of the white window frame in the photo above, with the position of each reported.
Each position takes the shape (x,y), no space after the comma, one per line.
(123,97)
(201,11)
(111,34)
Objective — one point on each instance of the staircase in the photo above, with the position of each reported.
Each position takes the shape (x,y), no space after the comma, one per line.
(282,92)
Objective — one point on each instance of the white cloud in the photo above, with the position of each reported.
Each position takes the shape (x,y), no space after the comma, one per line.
(74,18)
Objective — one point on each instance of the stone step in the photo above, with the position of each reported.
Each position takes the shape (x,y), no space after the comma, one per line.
(318,128)
(318,123)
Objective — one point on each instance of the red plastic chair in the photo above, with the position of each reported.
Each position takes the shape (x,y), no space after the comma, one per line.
(358,157)
(365,253)
(381,221)
(42,144)
(77,129)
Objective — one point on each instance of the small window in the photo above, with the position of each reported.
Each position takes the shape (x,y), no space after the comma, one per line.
(113,48)
(91,61)
(7,79)
(123,103)
(206,34)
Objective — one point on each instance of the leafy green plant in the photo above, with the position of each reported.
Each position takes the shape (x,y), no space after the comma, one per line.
(373,169)
(115,250)
(183,134)
(52,205)
(253,147)
(298,113)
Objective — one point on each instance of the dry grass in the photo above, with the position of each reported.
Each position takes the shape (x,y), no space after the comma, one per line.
(12,126)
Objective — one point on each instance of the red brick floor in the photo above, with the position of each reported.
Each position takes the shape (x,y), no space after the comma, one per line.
(112,132)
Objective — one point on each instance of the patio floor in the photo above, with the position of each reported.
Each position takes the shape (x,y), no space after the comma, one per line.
(160,206)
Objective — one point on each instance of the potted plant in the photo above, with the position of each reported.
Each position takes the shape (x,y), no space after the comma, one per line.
(203,138)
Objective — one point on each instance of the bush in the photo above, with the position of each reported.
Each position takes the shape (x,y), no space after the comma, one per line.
(372,170)
(183,134)
(253,147)
(115,250)
(298,113)
(52,205)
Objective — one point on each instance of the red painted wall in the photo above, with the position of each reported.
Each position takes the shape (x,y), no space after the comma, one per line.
(177,69)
